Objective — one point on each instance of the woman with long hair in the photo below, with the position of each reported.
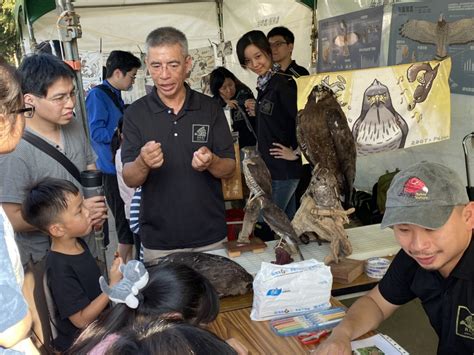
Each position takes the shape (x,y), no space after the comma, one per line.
(275,110)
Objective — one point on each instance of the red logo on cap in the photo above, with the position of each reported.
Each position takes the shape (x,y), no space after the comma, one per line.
(414,186)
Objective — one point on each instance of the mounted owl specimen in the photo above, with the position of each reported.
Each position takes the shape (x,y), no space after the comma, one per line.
(440,33)
(379,128)
(259,181)
(325,139)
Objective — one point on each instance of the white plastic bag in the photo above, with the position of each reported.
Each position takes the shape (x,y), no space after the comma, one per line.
(285,290)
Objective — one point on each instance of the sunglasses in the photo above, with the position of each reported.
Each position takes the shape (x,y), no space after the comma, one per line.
(27,111)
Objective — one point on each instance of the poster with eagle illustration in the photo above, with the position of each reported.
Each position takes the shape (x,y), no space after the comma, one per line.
(389,108)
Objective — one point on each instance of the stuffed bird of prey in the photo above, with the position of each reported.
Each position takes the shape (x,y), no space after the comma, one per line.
(325,139)
(259,181)
(440,33)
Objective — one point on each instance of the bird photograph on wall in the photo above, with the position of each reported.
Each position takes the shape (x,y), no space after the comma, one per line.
(441,33)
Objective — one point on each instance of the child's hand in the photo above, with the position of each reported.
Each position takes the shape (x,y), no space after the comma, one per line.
(114,274)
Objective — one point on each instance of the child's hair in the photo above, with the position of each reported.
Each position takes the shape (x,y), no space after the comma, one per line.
(172,288)
(45,201)
(169,338)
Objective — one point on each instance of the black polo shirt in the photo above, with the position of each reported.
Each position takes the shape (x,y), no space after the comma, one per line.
(296,70)
(180,207)
(449,303)
(276,123)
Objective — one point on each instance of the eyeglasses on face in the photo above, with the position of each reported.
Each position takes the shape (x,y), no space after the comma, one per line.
(131,76)
(27,111)
(61,99)
(277,44)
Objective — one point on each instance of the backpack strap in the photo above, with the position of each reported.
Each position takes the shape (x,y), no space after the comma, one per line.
(107,90)
(47,148)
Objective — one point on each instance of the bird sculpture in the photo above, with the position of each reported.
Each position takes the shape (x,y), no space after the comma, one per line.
(321,215)
(440,33)
(227,277)
(259,181)
(325,139)
(379,128)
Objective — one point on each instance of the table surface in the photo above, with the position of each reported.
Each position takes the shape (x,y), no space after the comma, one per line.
(367,242)
(234,322)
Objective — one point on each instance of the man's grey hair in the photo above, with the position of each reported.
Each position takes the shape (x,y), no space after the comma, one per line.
(166,36)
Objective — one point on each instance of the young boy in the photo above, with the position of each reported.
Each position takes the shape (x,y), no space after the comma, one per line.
(56,207)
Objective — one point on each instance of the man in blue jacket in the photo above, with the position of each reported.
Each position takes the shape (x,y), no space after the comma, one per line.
(104,109)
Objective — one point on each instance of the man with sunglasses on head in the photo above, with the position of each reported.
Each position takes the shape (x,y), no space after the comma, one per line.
(177,145)
(105,107)
(282,41)
(48,88)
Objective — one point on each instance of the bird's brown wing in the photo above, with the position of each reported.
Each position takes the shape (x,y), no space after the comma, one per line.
(261,175)
(300,136)
(344,146)
(420,31)
(461,31)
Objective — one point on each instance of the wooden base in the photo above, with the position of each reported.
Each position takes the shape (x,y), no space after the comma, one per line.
(347,270)
(235,249)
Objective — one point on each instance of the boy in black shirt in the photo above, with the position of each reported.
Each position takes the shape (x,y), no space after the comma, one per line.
(56,207)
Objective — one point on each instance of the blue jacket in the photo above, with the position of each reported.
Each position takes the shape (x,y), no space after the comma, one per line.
(103,116)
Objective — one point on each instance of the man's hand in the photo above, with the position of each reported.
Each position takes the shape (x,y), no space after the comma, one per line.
(97,209)
(114,274)
(152,155)
(336,344)
(202,159)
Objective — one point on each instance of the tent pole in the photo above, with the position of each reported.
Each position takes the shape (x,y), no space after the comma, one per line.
(220,22)
(69,30)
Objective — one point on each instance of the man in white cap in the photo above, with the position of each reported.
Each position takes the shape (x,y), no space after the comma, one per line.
(432,219)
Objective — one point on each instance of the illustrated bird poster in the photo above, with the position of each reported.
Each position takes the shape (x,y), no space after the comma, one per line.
(203,64)
(433,30)
(350,41)
(390,108)
(91,69)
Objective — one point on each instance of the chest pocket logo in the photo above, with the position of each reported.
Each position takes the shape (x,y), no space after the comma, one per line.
(465,323)
(200,133)
(266,107)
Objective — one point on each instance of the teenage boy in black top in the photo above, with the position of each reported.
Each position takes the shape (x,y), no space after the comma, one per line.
(56,207)
(282,41)
(433,220)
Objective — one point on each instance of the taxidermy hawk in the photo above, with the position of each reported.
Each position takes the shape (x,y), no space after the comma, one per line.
(325,139)
(259,181)
(440,33)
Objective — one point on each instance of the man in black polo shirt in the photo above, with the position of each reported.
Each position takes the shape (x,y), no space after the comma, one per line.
(177,145)
(281,41)
(433,220)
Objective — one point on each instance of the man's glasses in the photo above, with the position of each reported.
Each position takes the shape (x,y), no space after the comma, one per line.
(61,99)
(277,44)
(27,111)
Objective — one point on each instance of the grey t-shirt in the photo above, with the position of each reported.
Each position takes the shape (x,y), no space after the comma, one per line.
(27,165)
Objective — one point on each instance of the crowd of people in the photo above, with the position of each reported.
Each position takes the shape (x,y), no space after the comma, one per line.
(169,150)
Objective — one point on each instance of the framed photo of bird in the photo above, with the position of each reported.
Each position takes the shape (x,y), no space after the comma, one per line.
(350,41)
(425,31)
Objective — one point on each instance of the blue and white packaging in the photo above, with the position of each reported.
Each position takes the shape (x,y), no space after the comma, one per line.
(286,290)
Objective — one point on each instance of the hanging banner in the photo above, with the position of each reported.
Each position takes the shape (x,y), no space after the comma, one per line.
(390,108)
(423,31)
(202,65)
(91,69)
(350,41)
